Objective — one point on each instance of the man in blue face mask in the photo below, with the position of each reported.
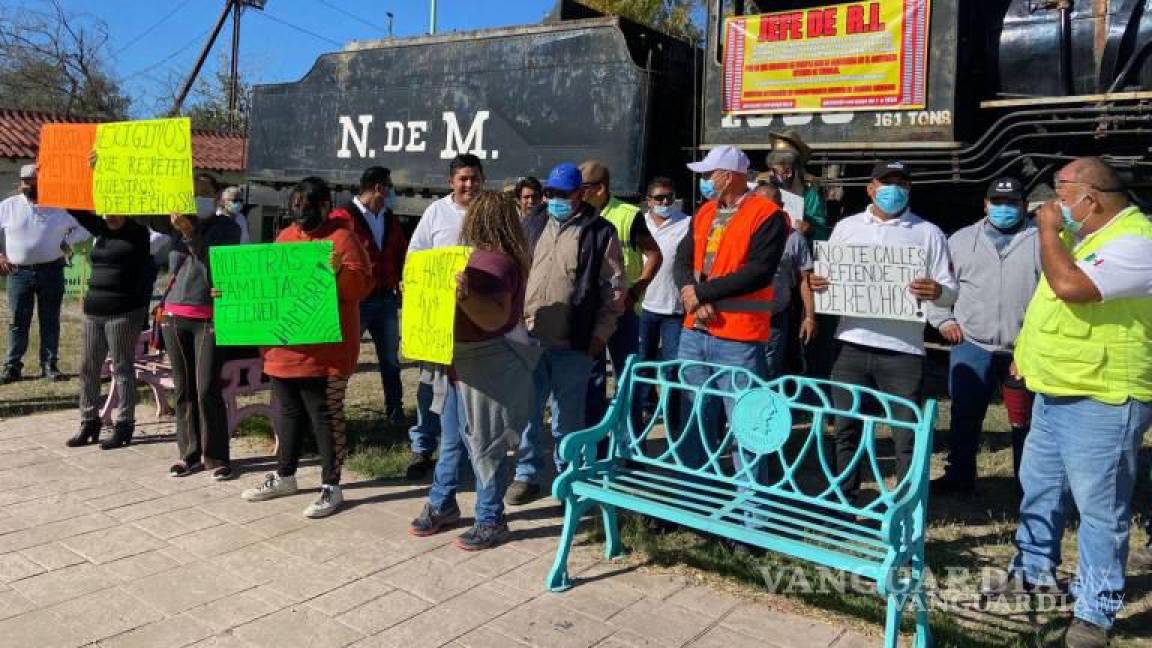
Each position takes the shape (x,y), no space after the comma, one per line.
(997,265)
(575,295)
(877,352)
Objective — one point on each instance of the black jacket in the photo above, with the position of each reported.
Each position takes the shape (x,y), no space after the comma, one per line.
(122,267)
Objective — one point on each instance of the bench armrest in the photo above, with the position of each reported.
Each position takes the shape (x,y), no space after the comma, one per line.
(582,444)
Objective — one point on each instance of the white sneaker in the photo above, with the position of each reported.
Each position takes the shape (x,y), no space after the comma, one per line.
(331,497)
(274,486)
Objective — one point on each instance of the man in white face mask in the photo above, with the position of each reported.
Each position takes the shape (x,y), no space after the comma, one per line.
(231,206)
(207,189)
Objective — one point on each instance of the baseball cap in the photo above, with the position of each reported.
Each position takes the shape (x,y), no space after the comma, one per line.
(594,172)
(1007,188)
(722,158)
(564,177)
(28,172)
(885,168)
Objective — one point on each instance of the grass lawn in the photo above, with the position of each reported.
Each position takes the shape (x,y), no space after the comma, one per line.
(974,534)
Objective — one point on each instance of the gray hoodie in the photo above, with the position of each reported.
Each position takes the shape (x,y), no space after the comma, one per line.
(995,286)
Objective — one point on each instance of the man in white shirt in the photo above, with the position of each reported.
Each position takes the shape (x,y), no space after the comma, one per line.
(881,353)
(32,256)
(440,227)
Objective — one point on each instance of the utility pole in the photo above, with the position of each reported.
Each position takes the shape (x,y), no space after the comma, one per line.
(432,19)
(390,19)
(234,76)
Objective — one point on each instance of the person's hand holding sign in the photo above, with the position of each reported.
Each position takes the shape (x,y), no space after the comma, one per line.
(461,287)
(818,283)
(181,224)
(951,332)
(337,261)
(926,289)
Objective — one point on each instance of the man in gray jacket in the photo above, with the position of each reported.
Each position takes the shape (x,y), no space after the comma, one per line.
(997,264)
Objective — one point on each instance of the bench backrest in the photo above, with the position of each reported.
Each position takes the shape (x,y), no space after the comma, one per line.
(776,433)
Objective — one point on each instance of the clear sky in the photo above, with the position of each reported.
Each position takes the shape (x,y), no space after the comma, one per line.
(155,42)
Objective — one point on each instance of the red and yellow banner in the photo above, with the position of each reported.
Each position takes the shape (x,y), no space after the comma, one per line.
(853,56)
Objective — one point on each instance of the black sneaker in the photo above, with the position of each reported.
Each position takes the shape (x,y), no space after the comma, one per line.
(521,493)
(419,464)
(482,536)
(10,374)
(432,522)
(51,373)
(951,486)
(1082,634)
(182,469)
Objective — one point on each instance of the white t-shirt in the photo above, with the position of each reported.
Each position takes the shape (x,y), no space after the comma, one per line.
(908,230)
(1121,268)
(662,297)
(32,234)
(439,226)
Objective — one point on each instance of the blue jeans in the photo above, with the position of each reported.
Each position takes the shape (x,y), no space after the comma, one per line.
(489,495)
(974,374)
(378,316)
(1086,449)
(561,379)
(425,435)
(42,288)
(776,348)
(623,343)
(446,475)
(659,340)
(701,347)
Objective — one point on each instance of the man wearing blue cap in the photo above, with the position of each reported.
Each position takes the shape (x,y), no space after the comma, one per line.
(574,296)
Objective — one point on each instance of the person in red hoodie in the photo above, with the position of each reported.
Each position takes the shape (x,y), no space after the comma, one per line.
(309,380)
(370,214)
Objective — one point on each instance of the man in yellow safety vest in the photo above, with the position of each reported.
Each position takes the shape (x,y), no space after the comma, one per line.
(1086,350)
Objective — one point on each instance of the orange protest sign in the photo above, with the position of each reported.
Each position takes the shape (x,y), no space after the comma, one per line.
(64,178)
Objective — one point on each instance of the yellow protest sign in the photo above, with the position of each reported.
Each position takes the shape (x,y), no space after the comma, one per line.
(852,56)
(144,167)
(428,319)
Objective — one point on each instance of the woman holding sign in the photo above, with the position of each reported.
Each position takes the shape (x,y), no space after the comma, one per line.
(493,361)
(309,380)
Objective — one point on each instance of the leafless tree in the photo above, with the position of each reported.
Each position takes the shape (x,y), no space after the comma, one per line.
(53,61)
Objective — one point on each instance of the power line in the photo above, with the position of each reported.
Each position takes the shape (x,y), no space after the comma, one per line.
(299,28)
(351,15)
(139,37)
(178,52)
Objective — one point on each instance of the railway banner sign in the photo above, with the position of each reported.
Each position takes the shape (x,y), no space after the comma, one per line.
(428,318)
(845,57)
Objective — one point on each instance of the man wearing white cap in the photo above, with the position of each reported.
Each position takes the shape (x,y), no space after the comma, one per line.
(32,239)
(724,269)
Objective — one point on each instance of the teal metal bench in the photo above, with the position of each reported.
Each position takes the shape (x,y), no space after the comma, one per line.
(767,479)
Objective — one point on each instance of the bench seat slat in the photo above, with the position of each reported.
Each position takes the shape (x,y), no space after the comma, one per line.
(766,508)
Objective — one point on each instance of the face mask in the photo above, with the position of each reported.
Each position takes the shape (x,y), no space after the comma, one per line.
(707,188)
(1071,225)
(390,201)
(205,207)
(1004,217)
(235,207)
(308,218)
(560,209)
(891,199)
(661,210)
(30,193)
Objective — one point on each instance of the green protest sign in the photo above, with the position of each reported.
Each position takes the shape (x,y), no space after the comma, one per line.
(278,294)
(78,271)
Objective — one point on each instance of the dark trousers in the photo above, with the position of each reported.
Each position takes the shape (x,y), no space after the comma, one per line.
(201,421)
(973,377)
(316,403)
(623,343)
(893,372)
(40,288)
(110,337)
(379,316)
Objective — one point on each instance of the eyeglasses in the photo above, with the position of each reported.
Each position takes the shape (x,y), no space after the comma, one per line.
(556,193)
(662,198)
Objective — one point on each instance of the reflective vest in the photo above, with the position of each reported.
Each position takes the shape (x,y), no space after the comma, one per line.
(1099,350)
(744,318)
(622,216)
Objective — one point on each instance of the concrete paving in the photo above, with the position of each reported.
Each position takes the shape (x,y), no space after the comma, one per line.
(104,549)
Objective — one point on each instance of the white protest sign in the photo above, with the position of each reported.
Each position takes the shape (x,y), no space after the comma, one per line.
(870,280)
(793,206)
